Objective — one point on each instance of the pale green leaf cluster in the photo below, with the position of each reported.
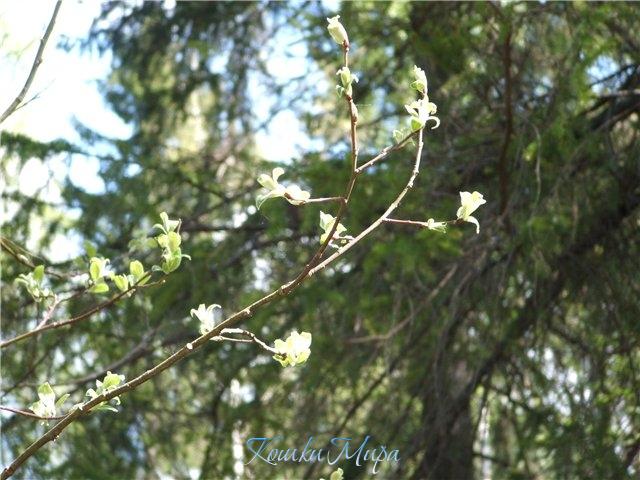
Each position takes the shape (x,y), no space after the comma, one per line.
(347,79)
(47,404)
(421,110)
(110,382)
(337,475)
(99,271)
(136,276)
(206,315)
(469,203)
(293,351)
(420,83)
(326,225)
(33,282)
(293,193)
(169,240)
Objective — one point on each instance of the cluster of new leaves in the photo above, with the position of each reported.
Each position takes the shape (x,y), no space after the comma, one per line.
(327,221)
(293,351)
(469,203)
(292,194)
(110,382)
(47,405)
(99,271)
(347,79)
(421,110)
(33,282)
(169,240)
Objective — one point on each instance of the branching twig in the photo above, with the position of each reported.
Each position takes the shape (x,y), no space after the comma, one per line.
(252,338)
(323,199)
(394,205)
(92,311)
(406,222)
(47,316)
(313,266)
(34,68)
(353,114)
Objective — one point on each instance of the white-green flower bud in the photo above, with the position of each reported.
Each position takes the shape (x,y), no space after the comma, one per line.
(337,31)
(345,76)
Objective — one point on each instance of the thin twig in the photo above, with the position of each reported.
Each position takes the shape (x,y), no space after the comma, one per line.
(323,199)
(406,222)
(11,248)
(252,338)
(26,413)
(285,289)
(88,313)
(383,154)
(34,68)
(50,310)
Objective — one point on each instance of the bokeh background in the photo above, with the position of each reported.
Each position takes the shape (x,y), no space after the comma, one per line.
(512,354)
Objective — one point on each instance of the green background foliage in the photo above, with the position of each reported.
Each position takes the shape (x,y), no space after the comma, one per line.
(531,326)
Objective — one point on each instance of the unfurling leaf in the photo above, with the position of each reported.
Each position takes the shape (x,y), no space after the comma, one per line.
(295,350)
(136,269)
(122,282)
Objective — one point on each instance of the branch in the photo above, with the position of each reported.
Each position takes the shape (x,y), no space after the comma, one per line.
(34,68)
(394,205)
(353,114)
(252,339)
(12,249)
(324,199)
(406,222)
(88,313)
(25,413)
(386,151)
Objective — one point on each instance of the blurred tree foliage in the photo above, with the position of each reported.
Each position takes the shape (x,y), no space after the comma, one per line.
(512,354)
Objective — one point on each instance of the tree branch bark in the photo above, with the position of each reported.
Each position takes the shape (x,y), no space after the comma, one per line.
(34,68)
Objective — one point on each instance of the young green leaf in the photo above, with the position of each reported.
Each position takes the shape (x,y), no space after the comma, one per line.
(38,273)
(122,282)
(137,269)
(99,288)
(62,399)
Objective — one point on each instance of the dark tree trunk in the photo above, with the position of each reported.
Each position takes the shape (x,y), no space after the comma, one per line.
(447,441)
